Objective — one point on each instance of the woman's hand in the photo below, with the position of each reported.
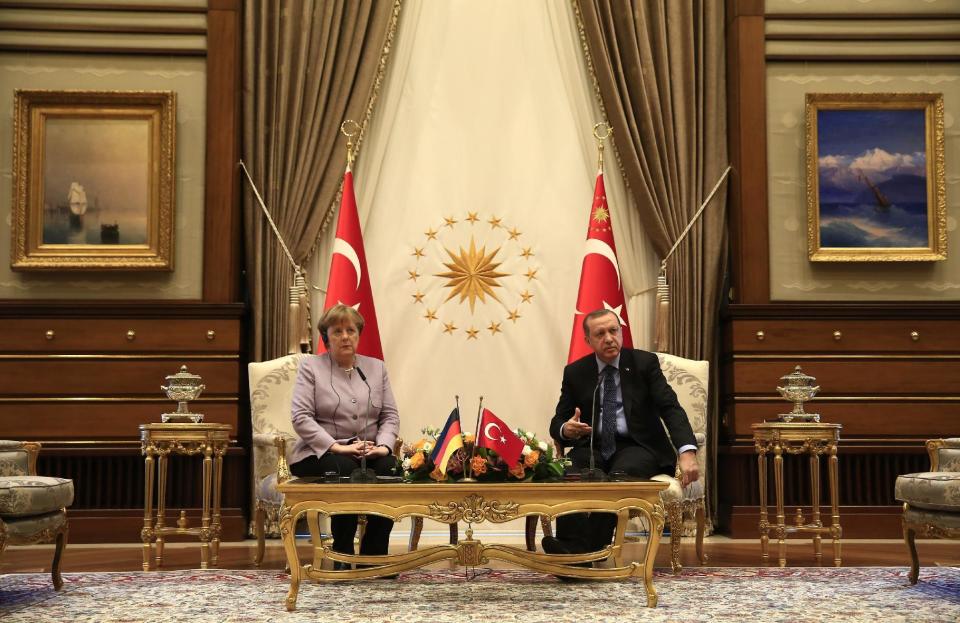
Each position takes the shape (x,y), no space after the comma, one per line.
(375,451)
(356,449)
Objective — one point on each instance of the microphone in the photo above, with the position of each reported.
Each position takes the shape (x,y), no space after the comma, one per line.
(362,474)
(592,473)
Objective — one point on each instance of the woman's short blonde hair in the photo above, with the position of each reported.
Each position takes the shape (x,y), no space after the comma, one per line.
(337,314)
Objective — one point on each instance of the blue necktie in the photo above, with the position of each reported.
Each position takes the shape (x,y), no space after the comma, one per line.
(608,419)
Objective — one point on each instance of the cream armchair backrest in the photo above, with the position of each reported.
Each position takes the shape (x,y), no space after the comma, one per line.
(691,381)
(271,392)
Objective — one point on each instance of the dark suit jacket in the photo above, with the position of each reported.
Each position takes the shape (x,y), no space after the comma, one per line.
(647,400)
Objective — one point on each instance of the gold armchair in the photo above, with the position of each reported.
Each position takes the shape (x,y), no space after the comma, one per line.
(33,509)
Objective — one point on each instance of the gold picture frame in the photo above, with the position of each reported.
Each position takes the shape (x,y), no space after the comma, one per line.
(93,180)
(875,177)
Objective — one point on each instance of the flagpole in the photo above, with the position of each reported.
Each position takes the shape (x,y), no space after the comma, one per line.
(467,469)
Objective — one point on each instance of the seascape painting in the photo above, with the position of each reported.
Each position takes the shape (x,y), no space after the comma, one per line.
(96,181)
(873,161)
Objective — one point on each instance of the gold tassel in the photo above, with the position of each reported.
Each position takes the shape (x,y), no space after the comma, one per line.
(662,311)
(298,327)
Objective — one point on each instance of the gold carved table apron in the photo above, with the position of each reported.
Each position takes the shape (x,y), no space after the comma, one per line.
(472,503)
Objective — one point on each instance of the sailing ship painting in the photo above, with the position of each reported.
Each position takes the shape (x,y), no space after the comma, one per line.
(95,183)
(872,178)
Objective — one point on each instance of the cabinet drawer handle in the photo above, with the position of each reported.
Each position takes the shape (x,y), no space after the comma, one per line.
(131,334)
(50,334)
(915,336)
(211,335)
(837,335)
(761,336)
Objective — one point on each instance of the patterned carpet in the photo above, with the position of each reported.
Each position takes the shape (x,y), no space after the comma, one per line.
(718,594)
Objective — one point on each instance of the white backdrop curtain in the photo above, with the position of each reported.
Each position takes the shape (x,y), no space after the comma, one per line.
(487,112)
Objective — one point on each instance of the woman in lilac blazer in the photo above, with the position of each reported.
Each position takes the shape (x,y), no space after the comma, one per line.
(330,400)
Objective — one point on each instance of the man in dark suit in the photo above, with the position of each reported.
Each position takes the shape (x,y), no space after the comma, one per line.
(632,399)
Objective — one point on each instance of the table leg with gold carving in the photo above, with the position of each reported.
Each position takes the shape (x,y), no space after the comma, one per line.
(162,461)
(778,491)
(764,518)
(205,517)
(217,484)
(656,521)
(835,529)
(146,534)
(619,535)
(287,523)
(815,500)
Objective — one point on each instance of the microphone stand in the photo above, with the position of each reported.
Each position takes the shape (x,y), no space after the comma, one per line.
(363,474)
(593,474)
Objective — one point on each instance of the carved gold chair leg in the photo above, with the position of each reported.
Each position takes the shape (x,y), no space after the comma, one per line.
(675,515)
(58,558)
(909,537)
(701,516)
(260,518)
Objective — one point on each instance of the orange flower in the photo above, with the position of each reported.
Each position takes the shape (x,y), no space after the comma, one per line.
(469,438)
(518,472)
(479,465)
(531,459)
(419,444)
(437,475)
(416,461)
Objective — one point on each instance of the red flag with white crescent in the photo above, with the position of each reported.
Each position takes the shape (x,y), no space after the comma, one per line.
(600,284)
(349,281)
(495,435)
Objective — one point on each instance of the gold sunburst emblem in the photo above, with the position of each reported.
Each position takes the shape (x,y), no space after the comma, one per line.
(472,278)
(473,274)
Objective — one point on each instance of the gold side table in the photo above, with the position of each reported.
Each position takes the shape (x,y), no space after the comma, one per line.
(157,442)
(815,439)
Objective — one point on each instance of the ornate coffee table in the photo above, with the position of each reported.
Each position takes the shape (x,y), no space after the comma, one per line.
(472,503)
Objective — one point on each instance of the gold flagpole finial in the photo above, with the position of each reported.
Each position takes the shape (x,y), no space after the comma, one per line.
(601,132)
(350,129)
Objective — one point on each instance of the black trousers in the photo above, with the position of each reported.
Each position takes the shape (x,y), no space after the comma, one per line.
(376,538)
(590,532)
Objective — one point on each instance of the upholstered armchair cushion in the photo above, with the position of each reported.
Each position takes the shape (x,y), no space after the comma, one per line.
(941,519)
(35,527)
(21,496)
(949,455)
(267,490)
(14,460)
(930,490)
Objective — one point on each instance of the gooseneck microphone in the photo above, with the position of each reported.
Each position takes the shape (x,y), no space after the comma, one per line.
(362,473)
(592,473)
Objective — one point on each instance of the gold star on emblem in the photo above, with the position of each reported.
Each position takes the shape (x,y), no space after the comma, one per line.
(494,222)
(417,252)
(472,217)
(512,316)
(414,275)
(450,221)
(514,233)
(526,296)
(431,315)
(494,328)
(526,253)
(430,234)
(601,214)
(418,297)
(449,327)
(472,333)
(472,274)
(531,273)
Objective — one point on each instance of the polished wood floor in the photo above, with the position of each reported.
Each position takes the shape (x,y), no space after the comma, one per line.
(722,552)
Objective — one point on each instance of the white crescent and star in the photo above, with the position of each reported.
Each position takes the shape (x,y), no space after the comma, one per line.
(486,432)
(343,247)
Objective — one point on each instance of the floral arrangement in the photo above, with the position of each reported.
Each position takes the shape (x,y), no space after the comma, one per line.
(537,461)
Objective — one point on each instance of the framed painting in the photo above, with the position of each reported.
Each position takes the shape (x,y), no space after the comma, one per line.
(875,177)
(93,180)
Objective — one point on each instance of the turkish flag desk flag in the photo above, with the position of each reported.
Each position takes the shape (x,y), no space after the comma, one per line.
(349,281)
(600,284)
(497,436)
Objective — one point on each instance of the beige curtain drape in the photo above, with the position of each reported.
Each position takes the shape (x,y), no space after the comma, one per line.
(660,71)
(307,67)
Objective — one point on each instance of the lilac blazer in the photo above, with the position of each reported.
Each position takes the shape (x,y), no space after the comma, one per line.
(328,406)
